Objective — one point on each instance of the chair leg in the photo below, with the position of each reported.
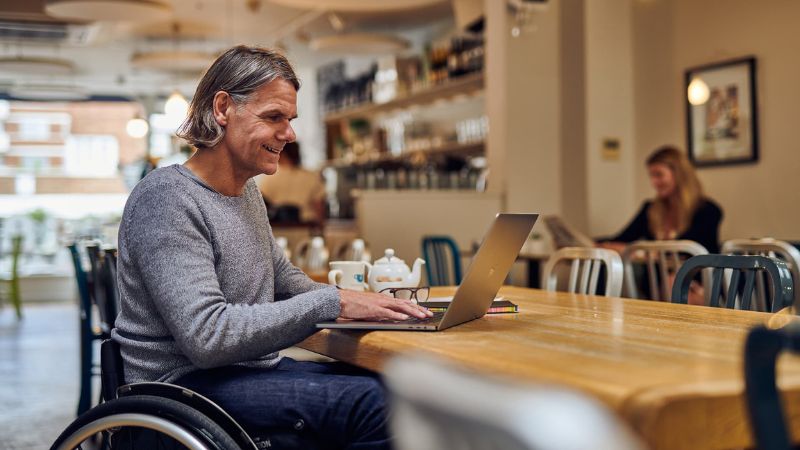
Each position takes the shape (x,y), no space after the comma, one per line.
(15,298)
(85,396)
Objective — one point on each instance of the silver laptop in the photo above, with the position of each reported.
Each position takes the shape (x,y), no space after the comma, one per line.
(485,275)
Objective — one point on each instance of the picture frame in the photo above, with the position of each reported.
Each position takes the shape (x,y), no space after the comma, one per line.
(722,113)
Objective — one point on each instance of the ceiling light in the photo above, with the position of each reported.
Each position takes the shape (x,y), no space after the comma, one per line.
(173,61)
(358,5)
(359,43)
(137,127)
(27,65)
(697,92)
(52,92)
(111,10)
(176,106)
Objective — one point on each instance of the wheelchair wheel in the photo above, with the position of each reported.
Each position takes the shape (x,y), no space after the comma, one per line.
(141,422)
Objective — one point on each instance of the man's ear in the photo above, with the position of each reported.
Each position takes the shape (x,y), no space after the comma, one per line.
(222,104)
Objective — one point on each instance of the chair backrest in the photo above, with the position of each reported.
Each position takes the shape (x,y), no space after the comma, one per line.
(110,277)
(438,407)
(283,244)
(83,283)
(112,373)
(773,248)
(311,254)
(660,258)
(762,349)
(103,287)
(584,274)
(442,260)
(780,279)
(354,250)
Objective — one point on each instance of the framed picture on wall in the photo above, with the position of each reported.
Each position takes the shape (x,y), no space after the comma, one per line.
(721,111)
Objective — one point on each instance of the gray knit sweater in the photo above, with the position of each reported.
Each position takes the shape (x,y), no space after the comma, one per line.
(198,275)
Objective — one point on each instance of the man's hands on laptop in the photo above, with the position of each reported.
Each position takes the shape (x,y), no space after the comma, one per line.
(371,306)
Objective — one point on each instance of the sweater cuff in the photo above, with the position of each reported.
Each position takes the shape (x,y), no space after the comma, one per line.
(331,304)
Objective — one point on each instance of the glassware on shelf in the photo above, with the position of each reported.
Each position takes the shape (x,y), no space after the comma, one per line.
(472,130)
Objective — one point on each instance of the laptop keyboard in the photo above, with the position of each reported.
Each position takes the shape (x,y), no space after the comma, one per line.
(437,316)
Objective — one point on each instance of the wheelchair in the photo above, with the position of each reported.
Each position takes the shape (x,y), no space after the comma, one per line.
(136,415)
(151,416)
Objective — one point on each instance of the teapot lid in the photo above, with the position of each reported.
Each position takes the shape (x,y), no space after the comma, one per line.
(389,258)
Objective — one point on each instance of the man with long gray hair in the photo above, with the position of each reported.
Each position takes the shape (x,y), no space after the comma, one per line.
(207,298)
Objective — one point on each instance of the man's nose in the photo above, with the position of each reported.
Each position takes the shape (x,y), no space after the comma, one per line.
(287,134)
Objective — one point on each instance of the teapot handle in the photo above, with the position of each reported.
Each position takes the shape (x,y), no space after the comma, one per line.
(366,275)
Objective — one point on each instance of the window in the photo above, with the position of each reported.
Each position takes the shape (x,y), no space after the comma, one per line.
(91,156)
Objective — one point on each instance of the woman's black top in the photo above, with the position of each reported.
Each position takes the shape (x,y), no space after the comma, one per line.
(703,229)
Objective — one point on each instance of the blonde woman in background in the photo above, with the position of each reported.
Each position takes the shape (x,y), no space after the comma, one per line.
(680,209)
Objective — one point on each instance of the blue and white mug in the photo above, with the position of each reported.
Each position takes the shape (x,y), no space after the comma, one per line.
(348,275)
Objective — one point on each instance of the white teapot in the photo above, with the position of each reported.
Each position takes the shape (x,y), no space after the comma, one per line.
(390,271)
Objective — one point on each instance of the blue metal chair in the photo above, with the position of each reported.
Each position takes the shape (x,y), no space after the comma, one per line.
(89,331)
(103,287)
(780,280)
(763,402)
(443,260)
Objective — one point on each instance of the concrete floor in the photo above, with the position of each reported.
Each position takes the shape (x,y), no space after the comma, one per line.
(38,374)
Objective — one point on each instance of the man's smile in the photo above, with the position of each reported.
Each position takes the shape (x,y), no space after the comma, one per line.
(271,149)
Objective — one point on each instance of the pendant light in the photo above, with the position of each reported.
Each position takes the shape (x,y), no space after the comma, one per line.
(137,127)
(176,105)
(110,10)
(48,92)
(39,65)
(358,5)
(697,92)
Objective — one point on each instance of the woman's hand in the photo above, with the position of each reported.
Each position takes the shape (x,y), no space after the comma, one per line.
(372,306)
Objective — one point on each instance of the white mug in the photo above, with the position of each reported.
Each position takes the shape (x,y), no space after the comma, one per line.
(348,275)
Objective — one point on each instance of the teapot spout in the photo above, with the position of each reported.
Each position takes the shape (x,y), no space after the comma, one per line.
(416,272)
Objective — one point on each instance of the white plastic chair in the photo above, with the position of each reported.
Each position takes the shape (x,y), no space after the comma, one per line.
(773,248)
(355,250)
(311,254)
(585,264)
(436,407)
(283,243)
(661,258)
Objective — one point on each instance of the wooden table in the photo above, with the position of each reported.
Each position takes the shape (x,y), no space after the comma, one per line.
(673,372)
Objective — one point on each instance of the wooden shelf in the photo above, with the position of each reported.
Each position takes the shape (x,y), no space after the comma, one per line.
(468,148)
(466,84)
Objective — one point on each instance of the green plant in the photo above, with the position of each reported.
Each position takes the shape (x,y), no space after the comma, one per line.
(38,215)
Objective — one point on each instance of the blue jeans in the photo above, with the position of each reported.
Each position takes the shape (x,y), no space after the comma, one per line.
(300,404)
